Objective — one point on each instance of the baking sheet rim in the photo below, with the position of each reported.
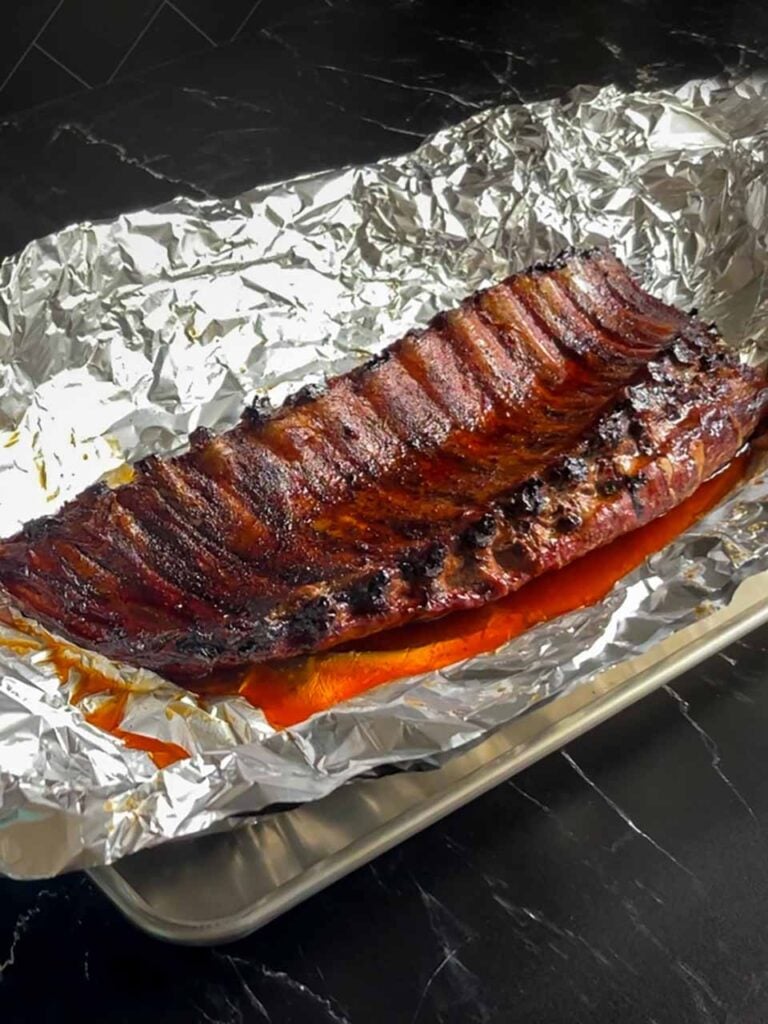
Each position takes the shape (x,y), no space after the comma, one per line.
(593,705)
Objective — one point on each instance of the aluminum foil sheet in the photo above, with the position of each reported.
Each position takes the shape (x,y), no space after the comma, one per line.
(117,339)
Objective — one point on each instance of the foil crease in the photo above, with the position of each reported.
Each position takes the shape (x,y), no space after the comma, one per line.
(118,339)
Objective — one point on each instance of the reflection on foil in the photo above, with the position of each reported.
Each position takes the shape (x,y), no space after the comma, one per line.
(119,339)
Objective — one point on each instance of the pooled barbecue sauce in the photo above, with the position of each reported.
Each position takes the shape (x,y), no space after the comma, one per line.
(290,691)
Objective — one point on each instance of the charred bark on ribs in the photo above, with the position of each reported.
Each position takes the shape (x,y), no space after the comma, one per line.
(542,418)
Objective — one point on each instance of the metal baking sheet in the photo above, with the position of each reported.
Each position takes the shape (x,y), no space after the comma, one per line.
(264,868)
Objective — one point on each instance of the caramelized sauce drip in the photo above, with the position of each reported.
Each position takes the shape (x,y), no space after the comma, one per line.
(290,691)
(108,716)
(109,713)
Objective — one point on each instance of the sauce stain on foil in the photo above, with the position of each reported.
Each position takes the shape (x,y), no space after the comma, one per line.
(87,681)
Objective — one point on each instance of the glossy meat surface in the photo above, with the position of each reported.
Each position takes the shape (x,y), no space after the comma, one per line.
(542,418)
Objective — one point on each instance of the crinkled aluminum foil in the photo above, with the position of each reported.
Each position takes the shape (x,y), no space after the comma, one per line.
(117,339)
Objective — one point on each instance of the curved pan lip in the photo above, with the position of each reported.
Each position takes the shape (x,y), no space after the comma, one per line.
(167,891)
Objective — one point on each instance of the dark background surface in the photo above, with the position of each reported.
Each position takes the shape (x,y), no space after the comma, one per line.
(623,880)
(52,48)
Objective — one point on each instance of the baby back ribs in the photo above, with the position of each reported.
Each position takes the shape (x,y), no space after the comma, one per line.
(540,419)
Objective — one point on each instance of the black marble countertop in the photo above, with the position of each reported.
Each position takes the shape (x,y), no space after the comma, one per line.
(623,879)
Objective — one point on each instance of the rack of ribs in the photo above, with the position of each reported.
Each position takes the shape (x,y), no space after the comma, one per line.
(540,419)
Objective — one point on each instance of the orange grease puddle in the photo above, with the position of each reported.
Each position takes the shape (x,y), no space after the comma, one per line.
(290,691)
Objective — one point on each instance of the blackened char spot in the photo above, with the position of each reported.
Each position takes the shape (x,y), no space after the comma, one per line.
(200,645)
(261,637)
(311,621)
(569,471)
(567,522)
(258,411)
(683,353)
(146,465)
(673,410)
(424,565)
(480,533)
(37,529)
(612,484)
(306,394)
(609,486)
(634,484)
(659,372)
(369,596)
(95,490)
(563,258)
(527,500)
(612,430)
(200,437)
(635,429)
(377,360)
(711,359)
